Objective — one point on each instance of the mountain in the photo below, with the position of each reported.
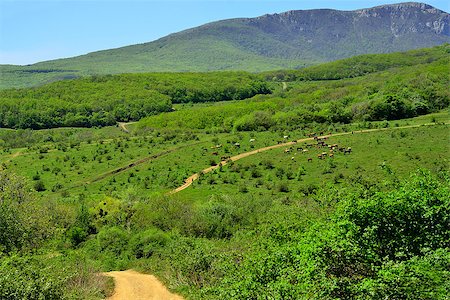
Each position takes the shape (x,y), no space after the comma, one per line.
(293,39)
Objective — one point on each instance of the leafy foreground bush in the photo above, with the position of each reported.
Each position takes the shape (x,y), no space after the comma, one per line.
(59,277)
(389,245)
(25,228)
(24,225)
(376,244)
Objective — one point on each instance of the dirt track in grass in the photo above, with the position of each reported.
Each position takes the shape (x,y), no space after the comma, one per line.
(194,177)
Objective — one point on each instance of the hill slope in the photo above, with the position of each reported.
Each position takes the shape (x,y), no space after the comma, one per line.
(292,39)
(107,99)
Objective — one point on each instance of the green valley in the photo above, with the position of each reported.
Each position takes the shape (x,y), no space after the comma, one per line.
(330,182)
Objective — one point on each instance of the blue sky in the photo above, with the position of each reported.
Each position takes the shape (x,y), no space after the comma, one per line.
(35,30)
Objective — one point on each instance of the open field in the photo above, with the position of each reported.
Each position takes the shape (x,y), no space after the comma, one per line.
(158,164)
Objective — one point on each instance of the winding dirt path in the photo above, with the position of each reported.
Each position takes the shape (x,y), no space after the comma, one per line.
(194,177)
(18,153)
(123,126)
(132,285)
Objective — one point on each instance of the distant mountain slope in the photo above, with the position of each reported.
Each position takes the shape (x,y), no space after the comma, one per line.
(292,39)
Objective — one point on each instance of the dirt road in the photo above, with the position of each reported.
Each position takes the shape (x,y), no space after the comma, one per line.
(123,126)
(194,177)
(131,285)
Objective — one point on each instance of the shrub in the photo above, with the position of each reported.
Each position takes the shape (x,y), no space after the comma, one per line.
(255,173)
(27,278)
(145,243)
(395,240)
(23,225)
(39,186)
(112,240)
(77,235)
(283,187)
(243,188)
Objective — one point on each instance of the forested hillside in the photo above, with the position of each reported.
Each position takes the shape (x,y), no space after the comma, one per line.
(362,65)
(413,83)
(105,100)
(393,89)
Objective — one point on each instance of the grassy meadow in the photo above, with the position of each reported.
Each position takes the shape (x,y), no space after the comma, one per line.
(366,220)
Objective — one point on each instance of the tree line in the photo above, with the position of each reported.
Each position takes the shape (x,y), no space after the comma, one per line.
(105,100)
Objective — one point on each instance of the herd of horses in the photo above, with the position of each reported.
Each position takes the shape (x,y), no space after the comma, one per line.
(327,150)
(320,144)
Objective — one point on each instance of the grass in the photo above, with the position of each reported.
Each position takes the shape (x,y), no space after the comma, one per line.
(159,162)
(374,156)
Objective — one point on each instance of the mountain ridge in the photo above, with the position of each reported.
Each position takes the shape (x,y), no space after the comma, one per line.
(289,40)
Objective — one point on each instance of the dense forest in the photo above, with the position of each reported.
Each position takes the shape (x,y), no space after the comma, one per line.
(105,100)
(371,87)
(396,93)
(361,65)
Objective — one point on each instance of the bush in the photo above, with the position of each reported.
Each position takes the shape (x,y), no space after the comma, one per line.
(50,277)
(23,225)
(390,245)
(426,277)
(217,219)
(392,108)
(27,278)
(39,186)
(402,223)
(144,244)
(112,240)
(283,187)
(77,235)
